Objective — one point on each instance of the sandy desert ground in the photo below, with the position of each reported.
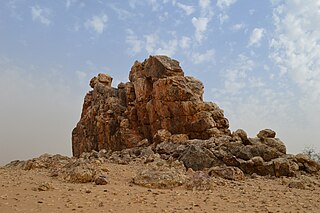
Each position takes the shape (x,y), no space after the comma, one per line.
(35,191)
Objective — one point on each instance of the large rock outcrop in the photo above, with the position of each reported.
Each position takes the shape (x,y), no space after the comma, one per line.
(158,98)
(161,112)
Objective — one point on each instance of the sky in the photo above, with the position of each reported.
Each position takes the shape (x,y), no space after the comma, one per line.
(258,60)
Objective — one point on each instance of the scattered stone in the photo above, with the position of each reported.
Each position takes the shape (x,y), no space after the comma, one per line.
(297,185)
(101,180)
(45,187)
(199,181)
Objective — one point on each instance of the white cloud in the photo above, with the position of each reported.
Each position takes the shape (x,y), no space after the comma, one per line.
(151,43)
(204,4)
(186,8)
(41,14)
(69,3)
(155,6)
(185,42)
(253,101)
(252,11)
(79,3)
(237,27)
(81,75)
(135,45)
(236,76)
(205,8)
(97,23)
(223,17)
(121,13)
(296,48)
(133,3)
(167,48)
(223,4)
(164,16)
(13,6)
(199,58)
(200,25)
(256,36)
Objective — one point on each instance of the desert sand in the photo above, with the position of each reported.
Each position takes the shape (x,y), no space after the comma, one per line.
(35,191)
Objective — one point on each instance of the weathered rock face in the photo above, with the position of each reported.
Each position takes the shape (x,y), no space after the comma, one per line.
(158,102)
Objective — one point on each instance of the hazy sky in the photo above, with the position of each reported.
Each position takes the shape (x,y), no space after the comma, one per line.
(258,59)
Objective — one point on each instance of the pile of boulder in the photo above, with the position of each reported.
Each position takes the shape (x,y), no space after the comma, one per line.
(74,170)
(161,112)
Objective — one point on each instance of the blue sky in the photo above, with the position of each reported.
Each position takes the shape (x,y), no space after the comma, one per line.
(259,60)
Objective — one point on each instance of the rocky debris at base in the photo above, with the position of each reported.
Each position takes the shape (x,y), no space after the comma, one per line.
(193,164)
(74,170)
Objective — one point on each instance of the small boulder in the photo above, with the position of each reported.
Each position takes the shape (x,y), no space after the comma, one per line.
(276,143)
(101,180)
(162,135)
(161,174)
(178,138)
(309,165)
(198,158)
(266,133)
(242,135)
(45,187)
(297,184)
(285,167)
(200,181)
(227,172)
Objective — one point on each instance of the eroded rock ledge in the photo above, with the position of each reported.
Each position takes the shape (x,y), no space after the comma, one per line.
(160,112)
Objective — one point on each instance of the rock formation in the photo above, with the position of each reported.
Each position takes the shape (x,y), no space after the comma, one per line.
(158,100)
(160,112)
